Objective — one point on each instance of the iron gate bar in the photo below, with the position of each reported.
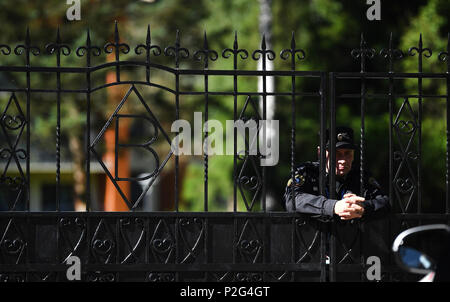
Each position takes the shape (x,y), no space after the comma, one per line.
(221,72)
(420,51)
(87,50)
(331,176)
(415,216)
(386,75)
(171,267)
(448,135)
(369,53)
(310,94)
(391,54)
(322,174)
(444,57)
(211,72)
(387,96)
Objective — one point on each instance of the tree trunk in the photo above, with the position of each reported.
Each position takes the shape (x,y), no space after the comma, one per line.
(78,160)
(265,24)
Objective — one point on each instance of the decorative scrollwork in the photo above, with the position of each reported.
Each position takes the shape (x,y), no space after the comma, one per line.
(102,243)
(82,50)
(242,154)
(226,53)
(119,47)
(191,221)
(404,185)
(58,47)
(391,54)
(162,245)
(308,247)
(161,277)
(249,243)
(250,183)
(426,52)
(293,52)
(191,231)
(411,155)
(300,222)
(362,53)
(444,55)
(55,47)
(12,244)
(73,233)
(14,183)
(12,278)
(19,49)
(249,277)
(13,123)
(250,247)
(263,52)
(258,53)
(126,223)
(148,46)
(103,247)
(206,54)
(101,277)
(398,156)
(13,247)
(5,49)
(176,51)
(68,222)
(406,127)
(88,49)
(122,47)
(6,153)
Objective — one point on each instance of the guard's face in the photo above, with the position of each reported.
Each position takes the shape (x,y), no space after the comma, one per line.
(344,161)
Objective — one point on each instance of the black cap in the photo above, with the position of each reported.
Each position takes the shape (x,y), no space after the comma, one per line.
(344,138)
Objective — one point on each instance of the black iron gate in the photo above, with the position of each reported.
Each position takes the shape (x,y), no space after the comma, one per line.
(251,245)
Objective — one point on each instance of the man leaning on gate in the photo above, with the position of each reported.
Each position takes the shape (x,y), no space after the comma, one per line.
(350,203)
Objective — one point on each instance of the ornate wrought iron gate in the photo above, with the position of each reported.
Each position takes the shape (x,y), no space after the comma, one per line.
(203,246)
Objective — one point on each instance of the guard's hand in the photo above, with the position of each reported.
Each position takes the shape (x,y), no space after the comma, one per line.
(349,207)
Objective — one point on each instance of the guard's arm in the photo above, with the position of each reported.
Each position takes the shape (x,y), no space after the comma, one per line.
(377,202)
(308,203)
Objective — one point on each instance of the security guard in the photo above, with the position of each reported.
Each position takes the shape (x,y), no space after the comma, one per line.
(350,203)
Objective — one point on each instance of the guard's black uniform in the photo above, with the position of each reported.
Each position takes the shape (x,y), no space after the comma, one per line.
(308,199)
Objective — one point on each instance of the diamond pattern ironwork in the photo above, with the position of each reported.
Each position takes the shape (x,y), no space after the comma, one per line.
(158,166)
(404,181)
